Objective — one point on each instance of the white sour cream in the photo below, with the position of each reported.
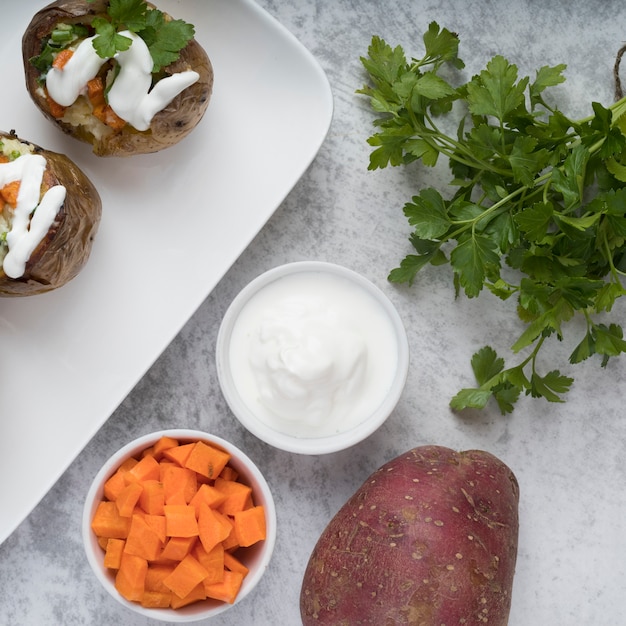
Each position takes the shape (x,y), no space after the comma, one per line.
(313,354)
(130,95)
(28,231)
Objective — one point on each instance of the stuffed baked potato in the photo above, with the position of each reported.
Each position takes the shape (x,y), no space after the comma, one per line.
(116,79)
(49,216)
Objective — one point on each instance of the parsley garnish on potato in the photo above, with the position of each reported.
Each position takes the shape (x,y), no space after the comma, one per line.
(532,191)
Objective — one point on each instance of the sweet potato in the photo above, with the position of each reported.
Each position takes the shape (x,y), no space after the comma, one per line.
(429,539)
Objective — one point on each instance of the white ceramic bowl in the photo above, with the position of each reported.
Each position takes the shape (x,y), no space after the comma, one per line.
(256,557)
(231,355)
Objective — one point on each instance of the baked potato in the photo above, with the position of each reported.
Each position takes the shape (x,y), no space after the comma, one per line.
(75,51)
(49,215)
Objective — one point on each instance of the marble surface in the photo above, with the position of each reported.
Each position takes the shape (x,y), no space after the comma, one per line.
(568,457)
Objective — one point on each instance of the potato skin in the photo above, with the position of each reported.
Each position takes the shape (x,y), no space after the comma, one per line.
(66,248)
(429,539)
(168,127)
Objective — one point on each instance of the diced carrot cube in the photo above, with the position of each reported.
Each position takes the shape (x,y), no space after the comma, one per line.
(114,485)
(156,599)
(232,563)
(208,494)
(142,540)
(177,548)
(155,576)
(177,482)
(179,453)
(113,553)
(163,444)
(196,594)
(227,589)
(107,521)
(62,57)
(237,495)
(157,523)
(229,473)
(250,526)
(152,497)
(10,192)
(131,577)
(231,542)
(147,468)
(180,520)
(213,562)
(186,575)
(213,527)
(127,499)
(207,460)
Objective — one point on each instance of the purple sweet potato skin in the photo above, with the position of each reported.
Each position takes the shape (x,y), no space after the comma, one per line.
(429,539)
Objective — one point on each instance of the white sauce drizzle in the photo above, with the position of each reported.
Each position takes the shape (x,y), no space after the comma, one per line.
(27,232)
(130,95)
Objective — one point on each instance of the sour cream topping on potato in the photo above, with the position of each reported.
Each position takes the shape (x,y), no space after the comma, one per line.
(27,231)
(130,95)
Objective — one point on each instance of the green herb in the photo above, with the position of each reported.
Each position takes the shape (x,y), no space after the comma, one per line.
(165,38)
(536,212)
(63,36)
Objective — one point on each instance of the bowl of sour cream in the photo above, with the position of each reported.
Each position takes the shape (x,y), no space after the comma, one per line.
(312,357)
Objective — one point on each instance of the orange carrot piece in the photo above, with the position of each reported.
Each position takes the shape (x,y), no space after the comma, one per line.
(128,464)
(163,444)
(152,497)
(107,521)
(145,469)
(155,576)
(156,599)
(180,520)
(157,523)
(177,548)
(237,495)
(207,460)
(213,562)
(113,553)
(186,575)
(10,192)
(231,542)
(131,577)
(209,495)
(229,473)
(179,481)
(142,540)
(196,594)
(232,563)
(56,110)
(114,485)
(213,527)
(102,542)
(61,59)
(227,589)
(179,453)
(95,90)
(250,526)
(127,499)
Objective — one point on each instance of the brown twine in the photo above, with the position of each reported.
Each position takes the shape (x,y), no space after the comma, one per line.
(618,82)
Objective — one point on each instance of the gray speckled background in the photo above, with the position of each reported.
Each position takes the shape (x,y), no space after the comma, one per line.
(568,458)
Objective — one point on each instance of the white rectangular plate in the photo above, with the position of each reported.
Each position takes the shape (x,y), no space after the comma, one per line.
(173,223)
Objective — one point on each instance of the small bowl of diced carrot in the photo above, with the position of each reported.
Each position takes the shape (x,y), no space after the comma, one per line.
(179,525)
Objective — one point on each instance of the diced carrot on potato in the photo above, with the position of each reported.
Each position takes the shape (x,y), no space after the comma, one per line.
(250,526)
(227,589)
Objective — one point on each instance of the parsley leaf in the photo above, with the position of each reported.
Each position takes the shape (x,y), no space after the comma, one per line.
(532,191)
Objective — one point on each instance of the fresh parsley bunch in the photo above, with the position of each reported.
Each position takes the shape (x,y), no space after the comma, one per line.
(533,192)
